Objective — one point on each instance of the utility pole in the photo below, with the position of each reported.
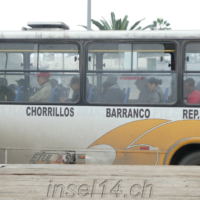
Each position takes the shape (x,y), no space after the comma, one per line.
(89,15)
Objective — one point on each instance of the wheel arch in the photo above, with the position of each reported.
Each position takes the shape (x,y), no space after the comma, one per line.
(180,147)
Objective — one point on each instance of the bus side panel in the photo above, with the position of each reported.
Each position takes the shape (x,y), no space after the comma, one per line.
(139,136)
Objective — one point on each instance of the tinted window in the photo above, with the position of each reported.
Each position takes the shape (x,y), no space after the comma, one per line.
(112,56)
(192,57)
(191,79)
(134,57)
(131,88)
(49,79)
(58,57)
(154,82)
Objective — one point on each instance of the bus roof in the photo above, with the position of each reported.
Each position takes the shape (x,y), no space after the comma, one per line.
(169,34)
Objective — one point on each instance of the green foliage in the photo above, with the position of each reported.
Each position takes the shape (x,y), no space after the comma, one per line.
(134,25)
(117,24)
(160,24)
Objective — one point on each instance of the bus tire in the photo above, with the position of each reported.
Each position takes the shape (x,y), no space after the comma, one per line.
(191,159)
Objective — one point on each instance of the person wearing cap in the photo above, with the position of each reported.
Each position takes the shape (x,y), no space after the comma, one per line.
(141,85)
(44,92)
(112,93)
(21,82)
(75,85)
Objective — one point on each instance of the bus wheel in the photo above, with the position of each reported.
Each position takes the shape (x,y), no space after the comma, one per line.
(191,159)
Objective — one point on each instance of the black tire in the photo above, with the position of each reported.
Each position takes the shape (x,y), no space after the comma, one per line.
(191,159)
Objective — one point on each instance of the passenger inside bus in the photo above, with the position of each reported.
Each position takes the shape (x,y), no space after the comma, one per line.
(156,93)
(198,85)
(172,96)
(43,94)
(92,93)
(26,89)
(112,92)
(141,85)
(53,82)
(12,87)
(191,94)
(6,93)
(75,85)
(61,91)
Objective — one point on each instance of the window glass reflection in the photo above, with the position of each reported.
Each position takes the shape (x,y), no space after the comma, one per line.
(192,57)
(41,87)
(192,88)
(58,57)
(109,56)
(131,57)
(131,88)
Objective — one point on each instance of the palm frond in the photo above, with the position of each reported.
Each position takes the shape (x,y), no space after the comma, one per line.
(105,23)
(83,26)
(113,20)
(155,24)
(134,25)
(96,23)
(139,28)
(126,26)
(118,24)
(124,22)
(149,26)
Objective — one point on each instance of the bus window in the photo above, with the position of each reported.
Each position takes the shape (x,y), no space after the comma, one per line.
(12,56)
(132,88)
(22,87)
(62,90)
(154,82)
(117,56)
(152,57)
(110,56)
(191,80)
(191,88)
(11,61)
(192,57)
(92,61)
(45,76)
(58,57)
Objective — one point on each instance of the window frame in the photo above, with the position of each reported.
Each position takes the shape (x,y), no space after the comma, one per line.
(176,71)
(184,71)
(23,72)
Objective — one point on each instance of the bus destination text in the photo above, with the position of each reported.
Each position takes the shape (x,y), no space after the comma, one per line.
(127,113)
(50,111)
(190,114)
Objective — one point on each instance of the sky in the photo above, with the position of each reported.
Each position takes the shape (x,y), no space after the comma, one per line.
(182,15)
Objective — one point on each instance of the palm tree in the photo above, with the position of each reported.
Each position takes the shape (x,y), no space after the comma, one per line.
(160,24)
(117,24)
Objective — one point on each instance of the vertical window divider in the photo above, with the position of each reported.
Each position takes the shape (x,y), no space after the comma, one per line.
(6,65)
(63,61)
(38,57)
(132,58)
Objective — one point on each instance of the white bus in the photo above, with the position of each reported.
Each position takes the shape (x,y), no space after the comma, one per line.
(116,97)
